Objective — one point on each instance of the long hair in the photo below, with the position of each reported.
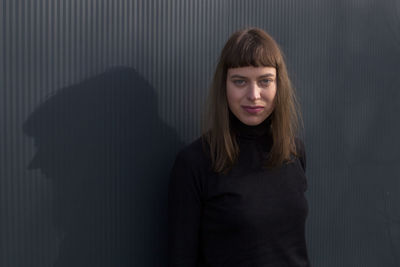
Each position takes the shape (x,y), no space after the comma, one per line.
(250,47)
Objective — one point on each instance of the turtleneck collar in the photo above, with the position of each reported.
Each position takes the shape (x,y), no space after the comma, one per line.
(250,132)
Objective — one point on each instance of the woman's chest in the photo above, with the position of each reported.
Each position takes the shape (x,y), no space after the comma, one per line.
(256,197)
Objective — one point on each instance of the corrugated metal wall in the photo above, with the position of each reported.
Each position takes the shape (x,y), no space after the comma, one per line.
(84,159)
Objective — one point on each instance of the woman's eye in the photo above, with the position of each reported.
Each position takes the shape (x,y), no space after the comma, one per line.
(266,82)
(239,82)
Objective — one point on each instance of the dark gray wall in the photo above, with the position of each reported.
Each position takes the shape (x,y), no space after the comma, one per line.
(97,96)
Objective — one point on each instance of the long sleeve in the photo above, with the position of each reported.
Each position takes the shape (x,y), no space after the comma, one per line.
(184,214)
(250,216)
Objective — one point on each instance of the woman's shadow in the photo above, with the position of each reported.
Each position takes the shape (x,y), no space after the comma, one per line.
(108,156)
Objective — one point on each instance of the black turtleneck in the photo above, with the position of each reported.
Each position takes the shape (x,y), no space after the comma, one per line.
(252,216)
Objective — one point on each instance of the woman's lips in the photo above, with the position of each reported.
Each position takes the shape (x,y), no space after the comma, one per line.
(253,109)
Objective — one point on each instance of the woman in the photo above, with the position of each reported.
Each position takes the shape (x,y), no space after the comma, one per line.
(236,194)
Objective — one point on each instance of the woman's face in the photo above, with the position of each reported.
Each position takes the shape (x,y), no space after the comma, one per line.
(251,92)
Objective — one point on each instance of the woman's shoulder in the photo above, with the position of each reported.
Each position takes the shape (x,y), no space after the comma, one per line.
(301,151)
(191,168)
(299,142)
(194,153)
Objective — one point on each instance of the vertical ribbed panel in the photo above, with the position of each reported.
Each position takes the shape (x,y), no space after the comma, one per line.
(61,91)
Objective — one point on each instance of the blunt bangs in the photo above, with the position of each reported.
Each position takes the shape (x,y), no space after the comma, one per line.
(252,49)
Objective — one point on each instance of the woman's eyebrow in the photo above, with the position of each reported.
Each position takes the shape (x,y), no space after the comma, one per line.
(267,75)
(238,76)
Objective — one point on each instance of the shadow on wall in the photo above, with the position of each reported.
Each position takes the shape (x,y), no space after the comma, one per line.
(108,156)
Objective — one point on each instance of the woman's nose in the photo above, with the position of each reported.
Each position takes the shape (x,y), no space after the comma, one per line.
(254,91)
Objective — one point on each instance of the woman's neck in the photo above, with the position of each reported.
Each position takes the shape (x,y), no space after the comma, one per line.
(249,132)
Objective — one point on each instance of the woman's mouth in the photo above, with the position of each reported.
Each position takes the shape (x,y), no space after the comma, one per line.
(253,109)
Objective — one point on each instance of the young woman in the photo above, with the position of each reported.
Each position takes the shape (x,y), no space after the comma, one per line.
(236,194)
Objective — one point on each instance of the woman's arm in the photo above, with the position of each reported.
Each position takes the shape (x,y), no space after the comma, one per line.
(184,214)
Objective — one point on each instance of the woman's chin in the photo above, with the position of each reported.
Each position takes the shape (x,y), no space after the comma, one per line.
(251,121)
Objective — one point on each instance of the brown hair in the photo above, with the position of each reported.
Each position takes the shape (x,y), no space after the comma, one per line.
(250,47)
